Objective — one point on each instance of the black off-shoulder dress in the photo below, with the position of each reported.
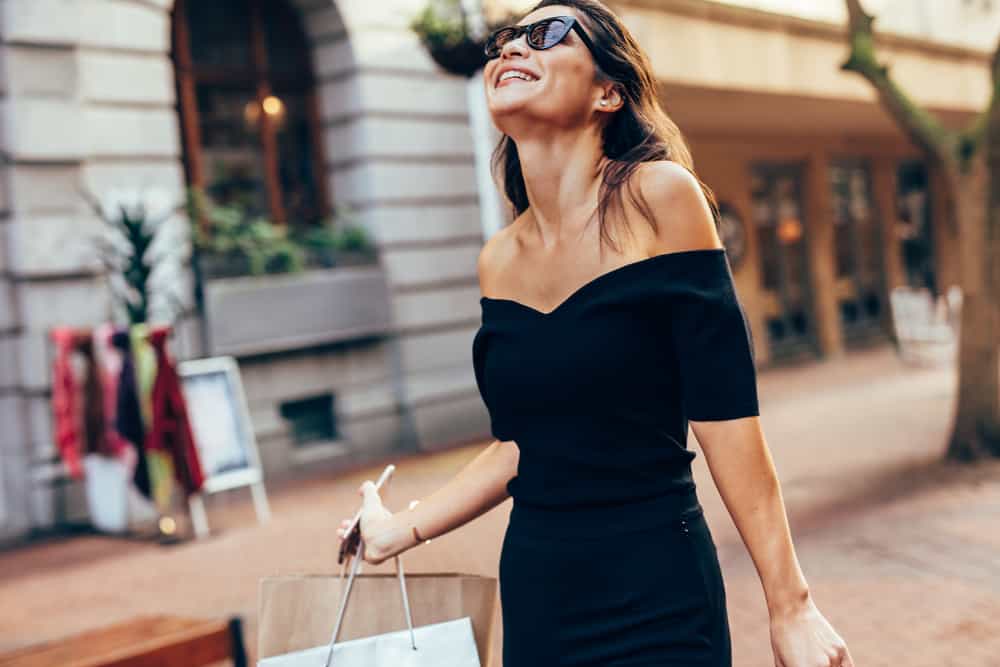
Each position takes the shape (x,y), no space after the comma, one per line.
(607,560)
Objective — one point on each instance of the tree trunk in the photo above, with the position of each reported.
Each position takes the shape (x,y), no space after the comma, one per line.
(971,162)
(976,429)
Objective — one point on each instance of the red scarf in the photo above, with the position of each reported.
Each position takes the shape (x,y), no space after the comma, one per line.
(171,428)
(79,412)
(65,400)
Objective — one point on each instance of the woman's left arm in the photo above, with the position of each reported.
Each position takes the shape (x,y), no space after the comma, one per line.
(712,341)
(741,466)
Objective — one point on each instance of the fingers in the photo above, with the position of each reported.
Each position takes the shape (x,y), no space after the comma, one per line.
(369,493)
(372,510)
(342,530)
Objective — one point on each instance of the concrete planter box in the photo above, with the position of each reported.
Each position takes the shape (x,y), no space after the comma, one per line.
(262,314)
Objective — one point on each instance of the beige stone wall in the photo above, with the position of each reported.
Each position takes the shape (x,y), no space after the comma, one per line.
(88,98)
(728,48)
(959,22)
(88,102)
(400,149)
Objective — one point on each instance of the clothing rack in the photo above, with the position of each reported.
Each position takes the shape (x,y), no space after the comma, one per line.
(51,472)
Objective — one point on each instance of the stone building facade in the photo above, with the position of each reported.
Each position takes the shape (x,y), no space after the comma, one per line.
(814,176)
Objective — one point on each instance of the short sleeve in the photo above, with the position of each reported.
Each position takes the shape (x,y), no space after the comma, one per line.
(497,430)
(712,341)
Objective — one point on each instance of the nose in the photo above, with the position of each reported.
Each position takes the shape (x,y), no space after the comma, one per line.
(518,45)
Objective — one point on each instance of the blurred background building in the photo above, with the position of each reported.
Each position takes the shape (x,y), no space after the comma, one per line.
(303,106)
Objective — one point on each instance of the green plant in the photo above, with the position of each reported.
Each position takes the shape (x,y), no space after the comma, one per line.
(441,23)
(443,27)
(239,242)
(229,232)
(143,263)
(341,232)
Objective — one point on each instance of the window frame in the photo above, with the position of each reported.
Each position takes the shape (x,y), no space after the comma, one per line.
(258,74)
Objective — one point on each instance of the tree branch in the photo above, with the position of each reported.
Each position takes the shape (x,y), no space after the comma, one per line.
(921,126)
(972,139)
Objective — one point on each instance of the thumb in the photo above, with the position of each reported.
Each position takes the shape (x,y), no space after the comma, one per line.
(371,501)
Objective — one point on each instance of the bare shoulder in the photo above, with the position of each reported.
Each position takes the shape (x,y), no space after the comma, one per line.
(495,254)
(682,215)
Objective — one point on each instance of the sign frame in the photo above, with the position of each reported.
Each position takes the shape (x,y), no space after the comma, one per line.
(249,476)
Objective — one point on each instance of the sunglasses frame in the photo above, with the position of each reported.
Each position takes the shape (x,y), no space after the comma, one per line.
(519,30)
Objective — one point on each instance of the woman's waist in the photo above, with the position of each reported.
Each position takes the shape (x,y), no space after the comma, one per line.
(594,520)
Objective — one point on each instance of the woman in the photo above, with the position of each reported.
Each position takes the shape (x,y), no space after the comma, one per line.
(592,365)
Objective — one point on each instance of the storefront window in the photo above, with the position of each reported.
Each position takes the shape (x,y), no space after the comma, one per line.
(858,247)
(248,107)
(781,241)
(913,228)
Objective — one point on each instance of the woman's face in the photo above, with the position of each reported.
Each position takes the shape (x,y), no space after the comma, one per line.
(562,89)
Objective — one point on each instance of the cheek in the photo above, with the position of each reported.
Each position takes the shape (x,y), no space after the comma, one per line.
(570,80)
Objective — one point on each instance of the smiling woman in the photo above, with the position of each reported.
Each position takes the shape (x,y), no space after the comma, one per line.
(594,362)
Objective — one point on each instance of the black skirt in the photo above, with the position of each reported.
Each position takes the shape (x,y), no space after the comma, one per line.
(615,586)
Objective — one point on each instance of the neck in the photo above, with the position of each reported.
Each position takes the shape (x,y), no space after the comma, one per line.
(561,173)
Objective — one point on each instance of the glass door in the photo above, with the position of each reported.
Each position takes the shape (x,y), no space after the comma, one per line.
(858,247)
(781,238)
(913,225)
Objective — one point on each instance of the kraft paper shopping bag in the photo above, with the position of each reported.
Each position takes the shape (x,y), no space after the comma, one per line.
(298,613)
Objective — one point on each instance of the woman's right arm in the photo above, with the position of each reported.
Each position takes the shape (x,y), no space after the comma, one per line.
(477,488)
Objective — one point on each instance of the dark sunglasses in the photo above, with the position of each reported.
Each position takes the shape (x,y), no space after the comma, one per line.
(542,35)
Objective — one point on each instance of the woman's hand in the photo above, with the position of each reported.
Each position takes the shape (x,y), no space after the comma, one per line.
(802,637)
(375,526)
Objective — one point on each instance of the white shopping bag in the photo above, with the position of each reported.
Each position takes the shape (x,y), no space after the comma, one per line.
(445,644)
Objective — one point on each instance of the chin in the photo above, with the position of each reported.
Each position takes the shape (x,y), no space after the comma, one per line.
(501,109)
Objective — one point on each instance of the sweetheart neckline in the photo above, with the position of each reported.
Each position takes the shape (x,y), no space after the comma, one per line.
(576,294)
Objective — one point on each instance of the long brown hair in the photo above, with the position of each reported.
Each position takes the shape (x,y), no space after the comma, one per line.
(641,131)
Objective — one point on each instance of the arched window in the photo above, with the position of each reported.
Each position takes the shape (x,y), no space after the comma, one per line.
(248,108)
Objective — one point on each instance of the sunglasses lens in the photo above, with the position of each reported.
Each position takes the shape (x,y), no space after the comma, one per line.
(541,35)
(496,41)
(548,33)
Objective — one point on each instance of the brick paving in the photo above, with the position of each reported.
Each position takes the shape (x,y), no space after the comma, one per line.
(901,551)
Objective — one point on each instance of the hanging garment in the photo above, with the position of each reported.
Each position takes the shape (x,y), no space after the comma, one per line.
(128,414)
(65,401)
(108,363)
(92,401)
(144,366)
(171,431)
(158,461)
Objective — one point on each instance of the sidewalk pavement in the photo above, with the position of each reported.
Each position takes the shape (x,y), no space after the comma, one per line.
(901,551)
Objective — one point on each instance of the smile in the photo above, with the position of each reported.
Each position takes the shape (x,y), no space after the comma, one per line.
(515,74)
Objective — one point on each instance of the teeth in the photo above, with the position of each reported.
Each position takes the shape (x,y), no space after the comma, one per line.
(516,74)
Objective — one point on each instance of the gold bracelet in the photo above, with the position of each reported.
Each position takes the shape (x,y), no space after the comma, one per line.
(416,535)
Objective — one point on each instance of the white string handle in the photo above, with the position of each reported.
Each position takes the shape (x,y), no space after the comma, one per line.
(347,593)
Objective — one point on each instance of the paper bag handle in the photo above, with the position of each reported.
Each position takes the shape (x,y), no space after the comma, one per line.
(347,594)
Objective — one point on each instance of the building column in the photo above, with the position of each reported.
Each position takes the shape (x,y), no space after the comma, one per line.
(821,254)
(883,173)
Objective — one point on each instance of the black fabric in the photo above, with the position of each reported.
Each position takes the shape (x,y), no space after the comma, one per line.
(651,597)
(597,394)
(128,413)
